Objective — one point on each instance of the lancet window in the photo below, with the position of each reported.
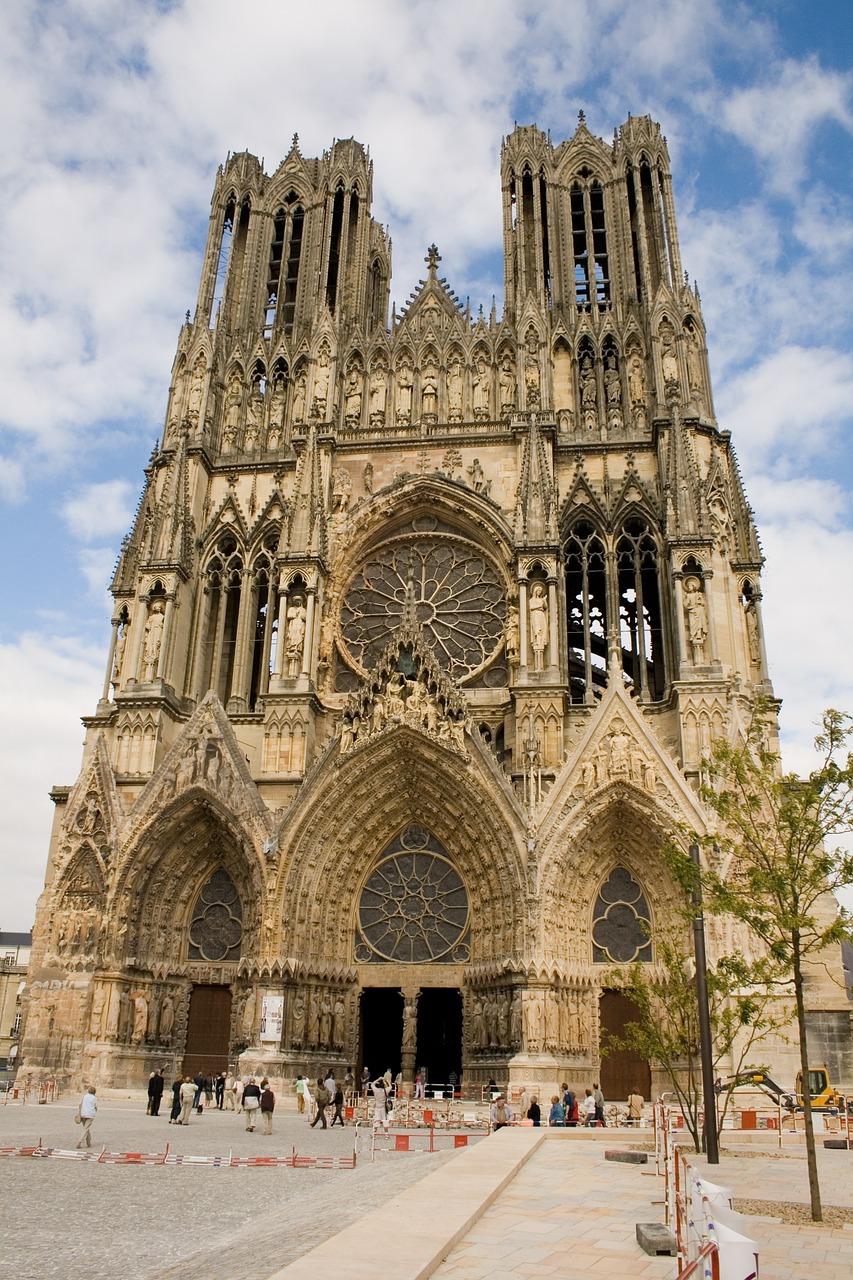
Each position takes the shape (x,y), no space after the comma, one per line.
(221,609)
(589,243)
(529,214)
(343,248)
(640,623)
(283,271)
(586,597)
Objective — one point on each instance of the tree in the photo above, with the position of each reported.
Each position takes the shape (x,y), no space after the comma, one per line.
(743,1005)
(776,857)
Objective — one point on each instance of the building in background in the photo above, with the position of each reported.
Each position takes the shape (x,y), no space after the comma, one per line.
(14,960)
(420,633)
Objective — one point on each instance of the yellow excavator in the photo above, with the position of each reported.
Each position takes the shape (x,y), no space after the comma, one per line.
(824,1097)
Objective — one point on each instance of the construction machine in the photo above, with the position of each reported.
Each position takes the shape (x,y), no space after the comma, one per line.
(824,1097)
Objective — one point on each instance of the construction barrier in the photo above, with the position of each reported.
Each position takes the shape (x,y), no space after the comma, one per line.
(701,1214)
(292,1161)
(39,1092)
(424,1142)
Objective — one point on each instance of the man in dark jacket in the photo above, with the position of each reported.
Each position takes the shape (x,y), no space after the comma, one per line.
(322,1097)
(220,1090)
(155,1092)
(251,1103)
(338,1099)
(267,1107)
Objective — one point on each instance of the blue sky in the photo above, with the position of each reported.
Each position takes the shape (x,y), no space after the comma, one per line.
(115,119)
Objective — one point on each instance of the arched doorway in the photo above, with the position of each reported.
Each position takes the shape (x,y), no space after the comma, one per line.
(622,1070)
(208,1031)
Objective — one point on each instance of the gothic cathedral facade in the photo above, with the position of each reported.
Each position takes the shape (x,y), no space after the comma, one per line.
(420,633)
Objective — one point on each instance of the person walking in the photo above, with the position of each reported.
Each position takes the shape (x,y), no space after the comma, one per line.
(635,1107)
(187,1095)
(300,1094)
(251,1103)
(589,1109)
(155,1092)
(220,1091)
(338,1100)
(599,1106)
(87,1111)
(230,1099)
(557,1114)
(174,1114)
(267,1107)
(239,1086)
(322,1097)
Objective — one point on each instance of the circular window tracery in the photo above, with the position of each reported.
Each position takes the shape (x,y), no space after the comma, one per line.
(216,931)
(621,921)
(414,906)
(455,592)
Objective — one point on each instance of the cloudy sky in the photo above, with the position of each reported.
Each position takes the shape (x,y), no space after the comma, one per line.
(116,116)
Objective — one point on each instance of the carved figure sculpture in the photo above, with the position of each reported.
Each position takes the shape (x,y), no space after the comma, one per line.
(455,387)
(512,633)
(247,1022)
(506,380)
(231,417)
(405,382)
(352,396)
(695,373)
(410,1024)
(254,418)
(669,355)
(152,640)
(532,385)
(697,618)
(589,392)
(478,479)
(196,390)
(167,1020)
(613,392)
(321,383)
(99,1000)
(295,635)
(538,610)
(367,475)
(378,396)
(429,393)
(121,645)
(750,613)
(140,1018)
(297,1022)
(482,390)
(300,392)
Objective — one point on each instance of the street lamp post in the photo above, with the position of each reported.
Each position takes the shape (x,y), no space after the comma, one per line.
(710,1098)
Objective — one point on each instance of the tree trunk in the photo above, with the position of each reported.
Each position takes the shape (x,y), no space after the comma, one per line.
(811,1155)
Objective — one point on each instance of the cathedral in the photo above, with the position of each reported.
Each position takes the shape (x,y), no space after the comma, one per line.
(423,626)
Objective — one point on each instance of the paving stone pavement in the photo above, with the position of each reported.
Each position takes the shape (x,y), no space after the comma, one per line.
(85,1221)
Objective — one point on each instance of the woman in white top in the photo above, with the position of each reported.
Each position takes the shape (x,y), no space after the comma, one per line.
(379,1090)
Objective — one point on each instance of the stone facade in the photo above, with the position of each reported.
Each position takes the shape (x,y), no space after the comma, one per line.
(420,634)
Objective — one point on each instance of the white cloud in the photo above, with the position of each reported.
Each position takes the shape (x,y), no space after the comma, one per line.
(100,510)
(46,683)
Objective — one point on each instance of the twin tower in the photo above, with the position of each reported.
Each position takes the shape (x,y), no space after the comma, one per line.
(422,628)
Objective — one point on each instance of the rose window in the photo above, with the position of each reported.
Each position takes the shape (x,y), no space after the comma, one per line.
(454,592)
(621,921)
(414,906)
(216,931)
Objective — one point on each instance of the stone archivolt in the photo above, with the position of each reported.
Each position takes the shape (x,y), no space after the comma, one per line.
(490,578)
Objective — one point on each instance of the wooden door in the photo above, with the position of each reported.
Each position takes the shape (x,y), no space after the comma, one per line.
(622,1070)
(208,1031)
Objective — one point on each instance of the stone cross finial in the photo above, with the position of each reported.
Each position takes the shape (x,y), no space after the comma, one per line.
(433,257)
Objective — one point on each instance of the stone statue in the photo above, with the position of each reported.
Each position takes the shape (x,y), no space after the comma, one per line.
(512,634)
(99,1000)
(506,385)
(532,384)
(429,393)
(455,387)
(167,1020)
(367,476)
(378,396)
(697,619)
(516,1028)
(669,355)
(538,610)
(295,635)
(321,383)
(589,392)
(620,747)
(140,1018)
(695,373)
(340,1020)
(297,1020)
(636,379)
(477,477)
(750,613)
(613,392)
(196,390)
(152,640)
(405,382)
(231,417)
(482,390)
(352,396)
(300,392)
(254,418)
(278,396)
(121,645)
(341,491)
(247,1022)
(410,1024)
(326,1019)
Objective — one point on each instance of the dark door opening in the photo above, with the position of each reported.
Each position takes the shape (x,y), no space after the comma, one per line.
(381,1038)
(208,1031)
(439,1048)
(622,1070)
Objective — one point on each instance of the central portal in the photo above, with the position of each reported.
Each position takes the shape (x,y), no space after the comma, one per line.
(439,1049)
(381,1022)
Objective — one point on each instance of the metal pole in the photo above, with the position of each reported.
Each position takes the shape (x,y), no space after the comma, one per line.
(710,1098)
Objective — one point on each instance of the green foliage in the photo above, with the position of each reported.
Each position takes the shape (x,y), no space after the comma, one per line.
(743,1005)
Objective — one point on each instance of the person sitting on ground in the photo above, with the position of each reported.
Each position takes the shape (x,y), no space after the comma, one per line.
(501,1113)
(635,1107)
(534,1114)
(557,1114)
(589,1109)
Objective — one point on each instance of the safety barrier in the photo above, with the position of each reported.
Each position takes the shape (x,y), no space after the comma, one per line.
(168,1157)
(41,1091)
(424,1142)
(419,1113)
(701,1213)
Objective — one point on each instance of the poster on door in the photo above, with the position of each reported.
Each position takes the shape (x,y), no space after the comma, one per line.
(272,1017)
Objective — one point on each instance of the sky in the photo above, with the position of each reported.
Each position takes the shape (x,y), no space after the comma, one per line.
(116,117)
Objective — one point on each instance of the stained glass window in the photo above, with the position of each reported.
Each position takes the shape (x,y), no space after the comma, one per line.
(621,921)
(216,931)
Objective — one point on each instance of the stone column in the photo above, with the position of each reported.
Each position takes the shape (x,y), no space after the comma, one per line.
(522,623)
(683,656)
(308,642)
(105,695)
(713,655)
(553,633)
(166,636)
